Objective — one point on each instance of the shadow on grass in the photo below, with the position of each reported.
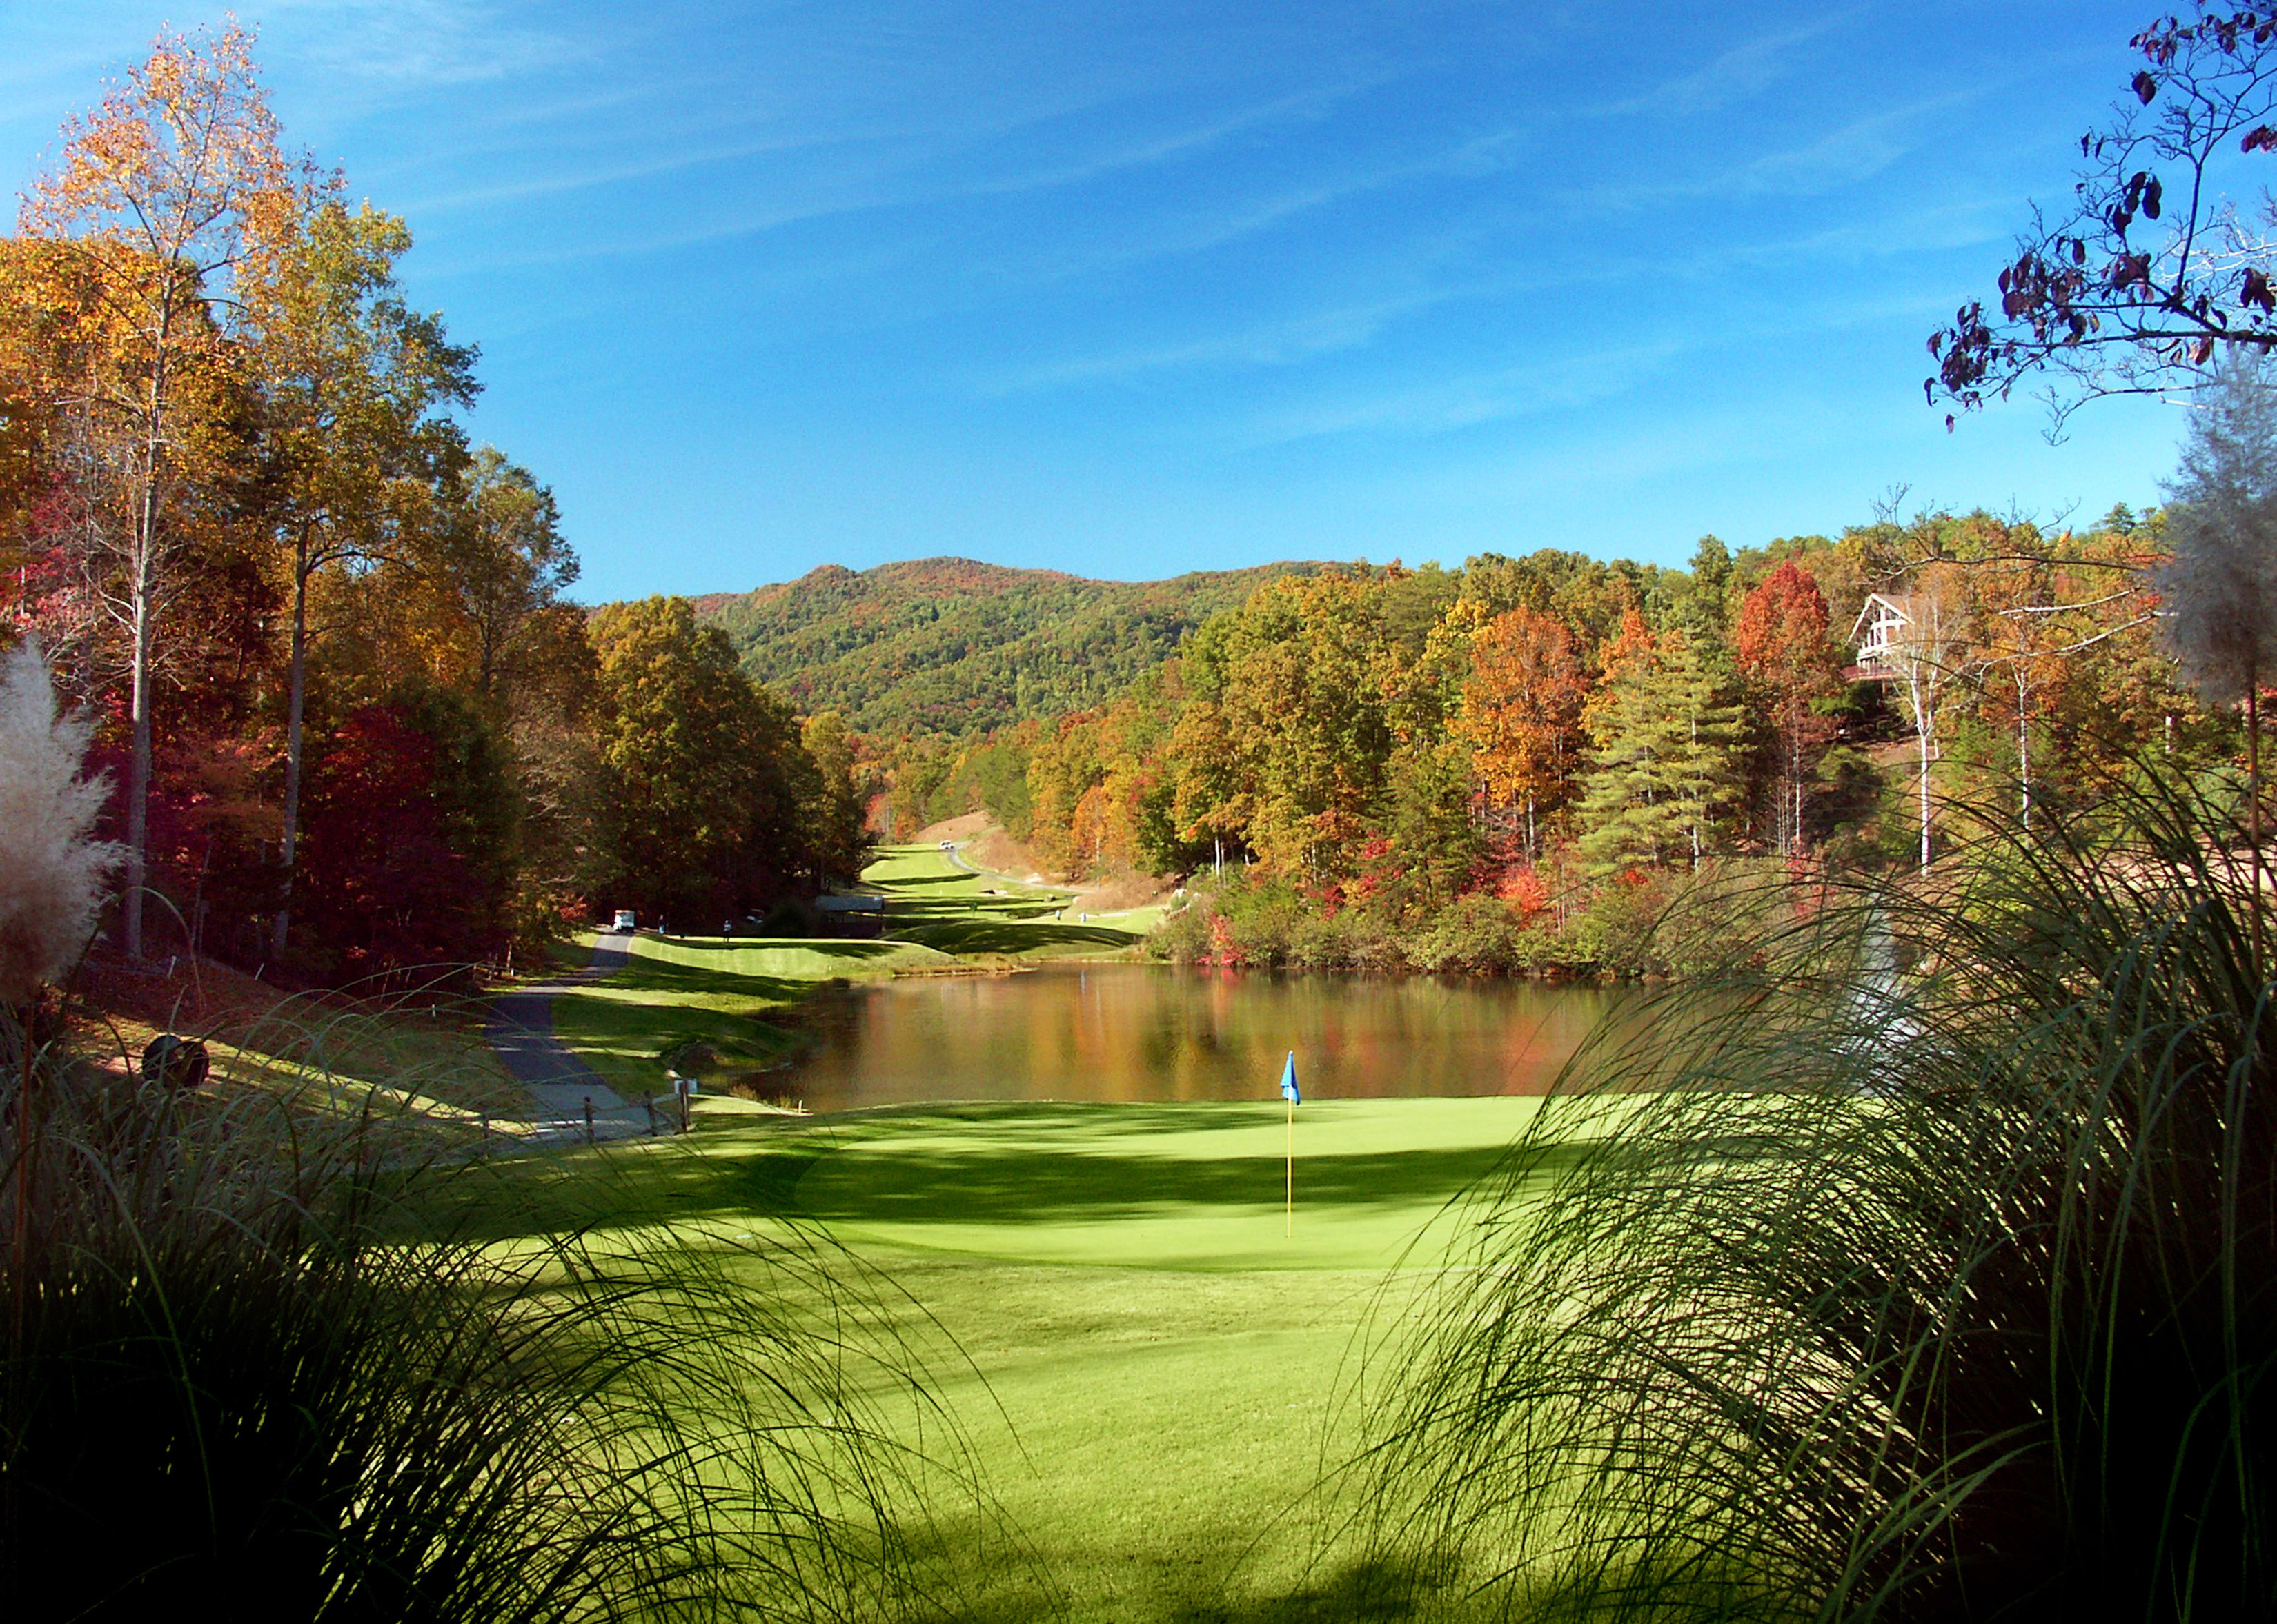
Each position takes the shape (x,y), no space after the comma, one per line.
(1001,1185)
(657,975)
(1374,1591)
(989,936)
(632,1185)
(822,946)
(761,1170)
(973,907)
(1365,1592)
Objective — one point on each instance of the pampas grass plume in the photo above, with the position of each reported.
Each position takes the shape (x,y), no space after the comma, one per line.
(51,874)
(2220,587)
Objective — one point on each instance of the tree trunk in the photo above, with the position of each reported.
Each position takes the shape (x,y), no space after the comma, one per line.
(1924,735)
(138,768)
(2253,802)
(1794,777)
(1921,697)
(2024,743)
(144,614)
(289,846)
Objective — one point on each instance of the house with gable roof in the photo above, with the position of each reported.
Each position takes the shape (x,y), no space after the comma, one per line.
(1880,633)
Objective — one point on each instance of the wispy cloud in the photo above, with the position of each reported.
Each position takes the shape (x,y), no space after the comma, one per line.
(1843,157)
(1179,144)
(416,43)
(1288,341)
(1744,71)
(1857,150)
(1448,406)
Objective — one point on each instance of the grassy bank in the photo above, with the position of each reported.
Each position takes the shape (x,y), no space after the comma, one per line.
(405,1046)
(735,997)
(932,898)
(1154,1369)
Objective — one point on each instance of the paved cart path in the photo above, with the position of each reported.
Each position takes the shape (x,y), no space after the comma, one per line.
(520,1032)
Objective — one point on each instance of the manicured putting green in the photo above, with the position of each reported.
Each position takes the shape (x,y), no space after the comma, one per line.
(1187,1186)
(1153,1379)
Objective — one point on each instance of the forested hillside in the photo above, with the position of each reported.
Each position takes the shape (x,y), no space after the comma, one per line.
(950,646)
(1525,762)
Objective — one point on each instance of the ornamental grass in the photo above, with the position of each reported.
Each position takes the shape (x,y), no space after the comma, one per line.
(1921,1265)
(269,1355)
(252,1361)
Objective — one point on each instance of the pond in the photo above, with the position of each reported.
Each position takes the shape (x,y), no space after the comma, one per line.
(1153,1033)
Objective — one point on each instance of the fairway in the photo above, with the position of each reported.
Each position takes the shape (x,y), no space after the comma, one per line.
(1168,1364)
(1155,1377)
(727,994)
(1157,1360)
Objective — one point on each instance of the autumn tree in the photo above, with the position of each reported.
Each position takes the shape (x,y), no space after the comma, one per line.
(837,817)
(412,836)
(1927,660)
(2044,606)
(706,775)
(1586,594)
(1299,680)
(2133,285)
(1520,715)
(170,189)
(1099,795)
(493,563)
(1212,799)
(351,384)
(1787,658)
(28,400)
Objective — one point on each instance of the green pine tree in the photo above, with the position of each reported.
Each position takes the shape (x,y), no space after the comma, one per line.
(1666,771)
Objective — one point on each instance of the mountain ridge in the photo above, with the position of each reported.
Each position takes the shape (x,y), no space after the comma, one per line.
(956,646)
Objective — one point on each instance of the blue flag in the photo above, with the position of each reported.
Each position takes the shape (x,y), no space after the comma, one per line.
(1289,1080)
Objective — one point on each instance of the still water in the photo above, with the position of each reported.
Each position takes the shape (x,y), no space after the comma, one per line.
(1151,1032)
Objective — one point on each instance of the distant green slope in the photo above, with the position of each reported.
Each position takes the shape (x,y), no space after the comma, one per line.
(946,645)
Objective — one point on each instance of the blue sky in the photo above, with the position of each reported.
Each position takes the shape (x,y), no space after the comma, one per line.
(1135,288)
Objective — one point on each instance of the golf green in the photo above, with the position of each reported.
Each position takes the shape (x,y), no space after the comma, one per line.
(1159,1366)
(1185,1186)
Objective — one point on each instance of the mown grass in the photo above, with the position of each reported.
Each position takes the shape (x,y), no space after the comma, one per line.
(729,997)
(931,900)
(1158,1367)
(419,1046)
(732,997)
(1156,1375)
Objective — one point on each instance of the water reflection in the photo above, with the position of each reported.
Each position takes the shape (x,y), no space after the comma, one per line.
(1135,1032)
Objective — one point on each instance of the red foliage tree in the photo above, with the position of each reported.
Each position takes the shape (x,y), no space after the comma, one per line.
(1787,658)
(401,870)
(2133,284)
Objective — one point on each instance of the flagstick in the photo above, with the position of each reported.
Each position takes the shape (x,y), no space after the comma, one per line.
(1289,1219)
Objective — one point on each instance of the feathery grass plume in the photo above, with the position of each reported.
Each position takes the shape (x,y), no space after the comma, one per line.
(1923,1267)
(51,874)
(2220,587)
(268,1360)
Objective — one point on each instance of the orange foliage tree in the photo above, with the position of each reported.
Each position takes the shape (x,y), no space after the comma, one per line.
(168,193)
(1788,659)
(1519,712)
